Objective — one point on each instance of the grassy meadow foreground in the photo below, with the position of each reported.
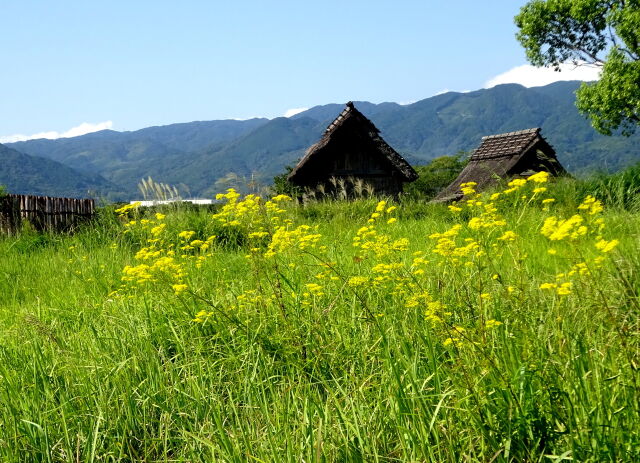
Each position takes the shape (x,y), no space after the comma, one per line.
(502,328)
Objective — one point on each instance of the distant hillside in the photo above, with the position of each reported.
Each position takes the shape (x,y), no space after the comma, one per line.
(125,157)
(197,154)
(24,174)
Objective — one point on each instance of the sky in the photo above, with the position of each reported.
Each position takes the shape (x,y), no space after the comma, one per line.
(73,67)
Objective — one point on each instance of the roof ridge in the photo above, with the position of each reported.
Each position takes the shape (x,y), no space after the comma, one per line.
(343,114)
(510,134)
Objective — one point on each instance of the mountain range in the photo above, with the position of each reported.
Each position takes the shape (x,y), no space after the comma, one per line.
(196,155)
(24,174)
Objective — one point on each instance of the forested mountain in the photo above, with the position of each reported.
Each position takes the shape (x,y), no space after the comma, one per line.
(24,174)
(198,154)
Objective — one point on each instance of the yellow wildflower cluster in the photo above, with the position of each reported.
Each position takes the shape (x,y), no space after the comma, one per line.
(556,229)
(578,226)
(202,316)
(539,177)
(249,211)
(160,263)
(357,281)
(163,260)
(606,246)
(468,188)
(585,227)
(447,246)
(591,205)
(563,289)
(369,239)
(124,210)
(301,237)
(434,311)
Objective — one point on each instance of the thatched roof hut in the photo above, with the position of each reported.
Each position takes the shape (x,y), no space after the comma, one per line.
(512,154)
(351,147)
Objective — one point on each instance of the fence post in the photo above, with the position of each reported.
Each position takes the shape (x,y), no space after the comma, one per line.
(10,219)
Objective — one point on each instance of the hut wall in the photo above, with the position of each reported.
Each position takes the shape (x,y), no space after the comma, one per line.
(379,185)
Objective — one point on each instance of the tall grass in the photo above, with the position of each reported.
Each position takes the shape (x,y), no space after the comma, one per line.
(358,370)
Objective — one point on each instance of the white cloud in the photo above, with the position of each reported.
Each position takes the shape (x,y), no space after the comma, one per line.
(531,76)
(82,129)
(294,111)
(442,92)
(446,90)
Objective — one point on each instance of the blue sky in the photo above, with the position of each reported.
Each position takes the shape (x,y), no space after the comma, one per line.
(70,67)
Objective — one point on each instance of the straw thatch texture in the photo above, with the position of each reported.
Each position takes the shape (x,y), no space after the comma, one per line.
(351,146)
(512,154)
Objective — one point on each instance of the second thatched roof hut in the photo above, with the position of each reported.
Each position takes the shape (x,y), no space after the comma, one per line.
(512,154)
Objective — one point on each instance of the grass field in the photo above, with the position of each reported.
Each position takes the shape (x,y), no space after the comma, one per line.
(504,328)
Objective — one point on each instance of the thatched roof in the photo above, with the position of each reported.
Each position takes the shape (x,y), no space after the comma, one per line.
(505,155)
(354,122)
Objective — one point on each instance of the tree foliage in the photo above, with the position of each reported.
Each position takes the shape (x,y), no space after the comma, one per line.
(596,33)
(436,176)
(282,186)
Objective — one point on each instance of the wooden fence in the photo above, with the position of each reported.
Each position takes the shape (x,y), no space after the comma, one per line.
(44,213)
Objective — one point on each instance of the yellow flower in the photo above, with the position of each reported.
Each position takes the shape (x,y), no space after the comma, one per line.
(281,198)
(179,288)
(357,281)
(454,341)
(202,316)
(539,177)
(392,220)
(155,231)
(468,188)
(124,209)
(564,289)
(557,230)
(591,204)
(508,236)
(314,288)
(401,244)
(187,234)
(606,246)
(492,323)
(476,223)
(548,286)
(517,182)
(548,200)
